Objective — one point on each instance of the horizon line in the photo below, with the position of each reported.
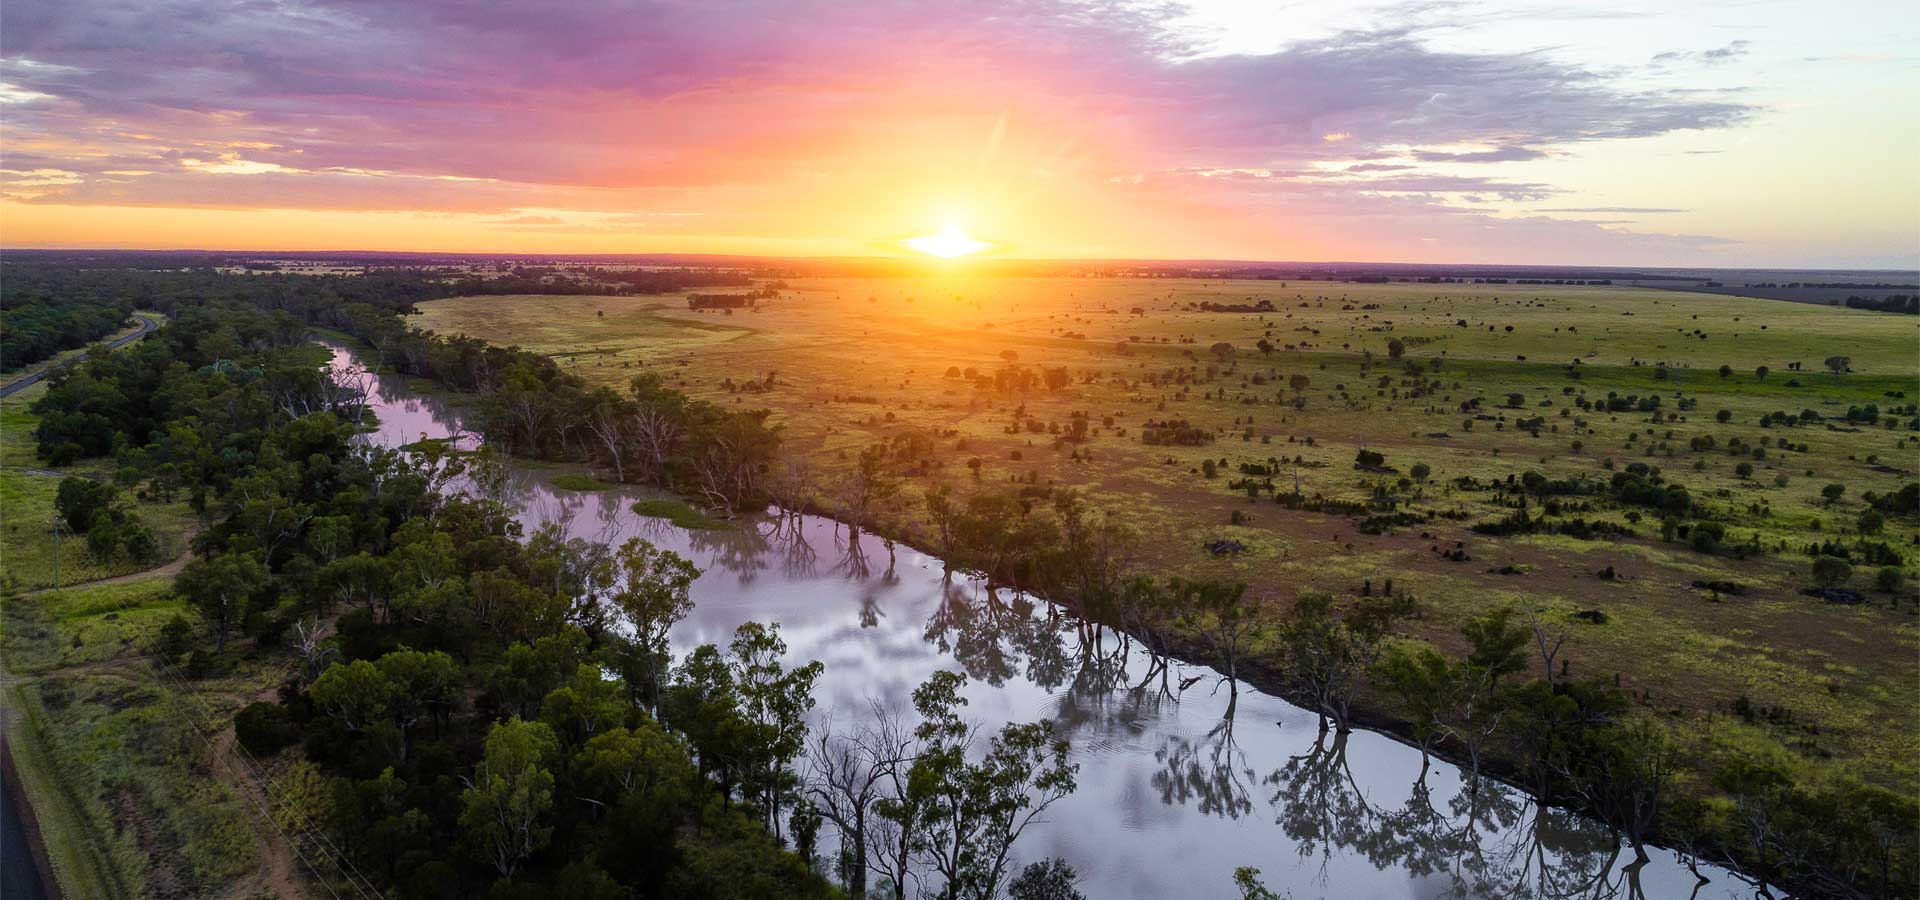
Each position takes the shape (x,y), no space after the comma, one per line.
(957,262)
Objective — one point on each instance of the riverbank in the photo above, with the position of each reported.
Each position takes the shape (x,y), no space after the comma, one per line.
(1370,714)
(883,620)
(1373,711)
(1465,415)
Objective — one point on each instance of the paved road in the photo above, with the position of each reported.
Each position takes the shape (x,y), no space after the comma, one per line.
(20,875)
(147,326)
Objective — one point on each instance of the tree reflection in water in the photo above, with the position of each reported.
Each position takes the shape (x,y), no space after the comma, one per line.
(1212,773)
(853,557)
(1490,841)
(657,530)
(798,560)
(741,549)
(1487,840)
(1318,803)
(1099,670)
(983,634)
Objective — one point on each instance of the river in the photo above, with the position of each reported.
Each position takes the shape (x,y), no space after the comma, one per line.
(1171,800)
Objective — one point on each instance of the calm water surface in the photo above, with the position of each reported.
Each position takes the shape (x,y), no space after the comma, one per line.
(1171,799)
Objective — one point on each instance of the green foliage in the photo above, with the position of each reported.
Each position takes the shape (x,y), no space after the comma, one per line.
(175,638)
(223,589)
(963,811)
(655,593)
(1326,656)
(81,500)
(1829,571)
(42,319)
(1246,880)
(1049,879)
(505,806)
(263,728)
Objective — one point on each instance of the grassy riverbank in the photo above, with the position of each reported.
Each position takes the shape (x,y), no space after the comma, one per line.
(1847,671)
(1721,647)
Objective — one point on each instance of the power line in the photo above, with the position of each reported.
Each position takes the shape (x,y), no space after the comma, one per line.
(262,798)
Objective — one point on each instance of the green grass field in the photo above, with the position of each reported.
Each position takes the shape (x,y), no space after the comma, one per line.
(857,360)
(36,553)
(120,760)
(39,555)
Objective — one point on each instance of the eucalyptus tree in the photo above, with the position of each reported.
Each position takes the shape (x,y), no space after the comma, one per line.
(654,593)
(1326,656)
(967,802)
(223,589)
(773,703)
(507,803)
(1227,619)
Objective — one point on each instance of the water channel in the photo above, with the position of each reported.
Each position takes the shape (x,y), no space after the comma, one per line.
(1171,799)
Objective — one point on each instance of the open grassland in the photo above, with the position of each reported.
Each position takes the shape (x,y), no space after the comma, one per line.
(36,551)
(130,768)
(845,363)
(116,756)
(40,555)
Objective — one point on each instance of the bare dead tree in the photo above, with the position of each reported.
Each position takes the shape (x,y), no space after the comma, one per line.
(609,426)
(891,852)
(790,484)
(1550,641)
(846,773)
(307,642)
(657,433)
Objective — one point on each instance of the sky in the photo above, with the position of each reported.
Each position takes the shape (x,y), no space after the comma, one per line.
(1744,133)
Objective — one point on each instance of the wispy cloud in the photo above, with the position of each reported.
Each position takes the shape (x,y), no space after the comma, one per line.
(1501,154)
(618,106)
(1640,210)
(1712,57)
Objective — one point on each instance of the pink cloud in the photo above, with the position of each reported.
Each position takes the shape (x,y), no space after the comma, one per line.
(616,106)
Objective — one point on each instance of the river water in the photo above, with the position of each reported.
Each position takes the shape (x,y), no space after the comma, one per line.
(1171,799)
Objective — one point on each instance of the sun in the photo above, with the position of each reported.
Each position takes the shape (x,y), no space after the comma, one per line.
(948,243)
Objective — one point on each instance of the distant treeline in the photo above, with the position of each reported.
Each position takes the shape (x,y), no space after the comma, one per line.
(1262,306)
(34,330)
(729,301)
(393,288)
(1893,303)
(531,280)
(524,402)
(1855,285)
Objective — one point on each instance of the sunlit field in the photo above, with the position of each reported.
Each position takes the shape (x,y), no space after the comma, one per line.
(1040,450)
(855,361)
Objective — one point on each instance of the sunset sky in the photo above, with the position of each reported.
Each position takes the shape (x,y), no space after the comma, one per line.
(1736,133)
